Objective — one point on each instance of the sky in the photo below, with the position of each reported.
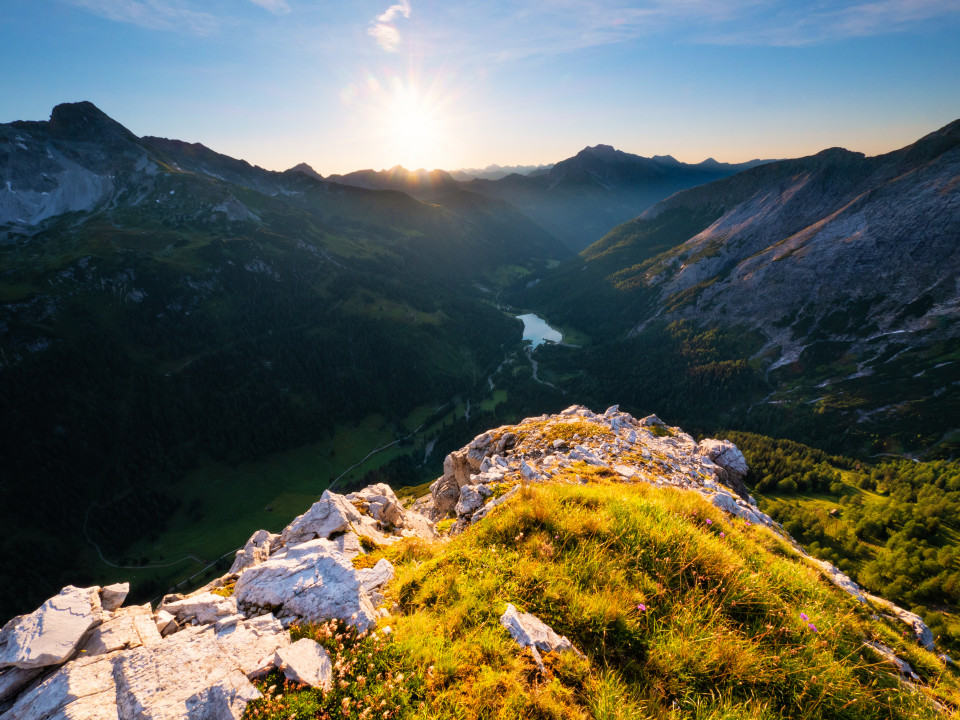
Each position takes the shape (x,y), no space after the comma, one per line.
(351,84)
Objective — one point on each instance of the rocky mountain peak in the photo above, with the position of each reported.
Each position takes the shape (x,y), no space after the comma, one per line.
(306,169)
(85,122)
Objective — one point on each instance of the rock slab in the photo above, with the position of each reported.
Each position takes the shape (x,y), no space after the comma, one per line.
(307,663)
(51,633)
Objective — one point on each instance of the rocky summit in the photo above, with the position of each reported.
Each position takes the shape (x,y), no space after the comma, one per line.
(83,655)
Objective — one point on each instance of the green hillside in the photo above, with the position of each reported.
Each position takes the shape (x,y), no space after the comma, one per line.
(679,611)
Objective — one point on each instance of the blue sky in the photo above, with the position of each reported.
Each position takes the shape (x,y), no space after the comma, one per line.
(351,84)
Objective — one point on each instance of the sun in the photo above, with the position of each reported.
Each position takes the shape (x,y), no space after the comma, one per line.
(415,127)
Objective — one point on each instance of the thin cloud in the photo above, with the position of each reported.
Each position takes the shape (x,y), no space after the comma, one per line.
(153,14)
(509,32)
(792,27)
(384,29)
(277,7)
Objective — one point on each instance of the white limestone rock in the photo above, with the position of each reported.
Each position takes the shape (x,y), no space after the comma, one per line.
(921,632)
(51,633)
(890,657)
(839,579)
(202,609)
(726,502)
(112,596)
(14,679)
(331,514)
(312,580)
(529,631)
(307,663)
(732,466)
(166,623)
(81,690)
(197,673)
(256,550)
(128,628)
(376,577)
(529,472)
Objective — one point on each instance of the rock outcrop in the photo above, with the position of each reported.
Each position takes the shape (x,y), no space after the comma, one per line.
(81,655)
(51,633)
(577,443)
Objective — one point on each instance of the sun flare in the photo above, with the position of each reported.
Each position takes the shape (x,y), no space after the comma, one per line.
(415,126)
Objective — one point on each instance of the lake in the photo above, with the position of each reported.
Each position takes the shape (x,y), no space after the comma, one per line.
(536,330)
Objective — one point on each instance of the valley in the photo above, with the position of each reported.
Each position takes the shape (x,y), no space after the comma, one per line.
(191,346)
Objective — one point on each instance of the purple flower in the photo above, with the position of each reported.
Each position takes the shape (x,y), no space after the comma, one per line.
(812,627)
(803,616)
(641,607)
(709,521)
(723,534)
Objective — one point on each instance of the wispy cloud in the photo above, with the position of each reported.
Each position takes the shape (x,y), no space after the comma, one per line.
(277,7)
(794,25)
(528,28)
(154,14)
(384,29)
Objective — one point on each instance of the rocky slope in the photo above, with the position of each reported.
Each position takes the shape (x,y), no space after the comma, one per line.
(836,246)
(83,655)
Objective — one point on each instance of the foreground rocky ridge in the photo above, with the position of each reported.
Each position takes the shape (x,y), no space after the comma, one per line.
(83,655)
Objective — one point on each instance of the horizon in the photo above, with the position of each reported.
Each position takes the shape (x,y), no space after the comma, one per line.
(466,86)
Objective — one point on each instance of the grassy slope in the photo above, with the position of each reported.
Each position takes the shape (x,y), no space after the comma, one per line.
(680,612)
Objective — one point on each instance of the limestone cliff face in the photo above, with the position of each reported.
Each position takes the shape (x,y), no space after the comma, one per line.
(84,656)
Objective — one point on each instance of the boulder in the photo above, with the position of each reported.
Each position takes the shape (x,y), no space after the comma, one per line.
(199,673)
(112,596)
(257,549)
(331,514)
(457,466)
(201,609)
(529,631)
(51,633)
(166,623)
(529,472)
(392,514)
(445,493)
(731,465)
(313,581)
(128,628)
(470,500)
(307,663)
(507,440)
(376,577)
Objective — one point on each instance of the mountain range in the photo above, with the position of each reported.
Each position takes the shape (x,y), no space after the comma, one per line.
(191,345)
(835,274)
(577,199)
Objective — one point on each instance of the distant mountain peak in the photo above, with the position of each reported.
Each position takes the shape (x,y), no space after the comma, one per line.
(86,122)
(306,169)
(599,150)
